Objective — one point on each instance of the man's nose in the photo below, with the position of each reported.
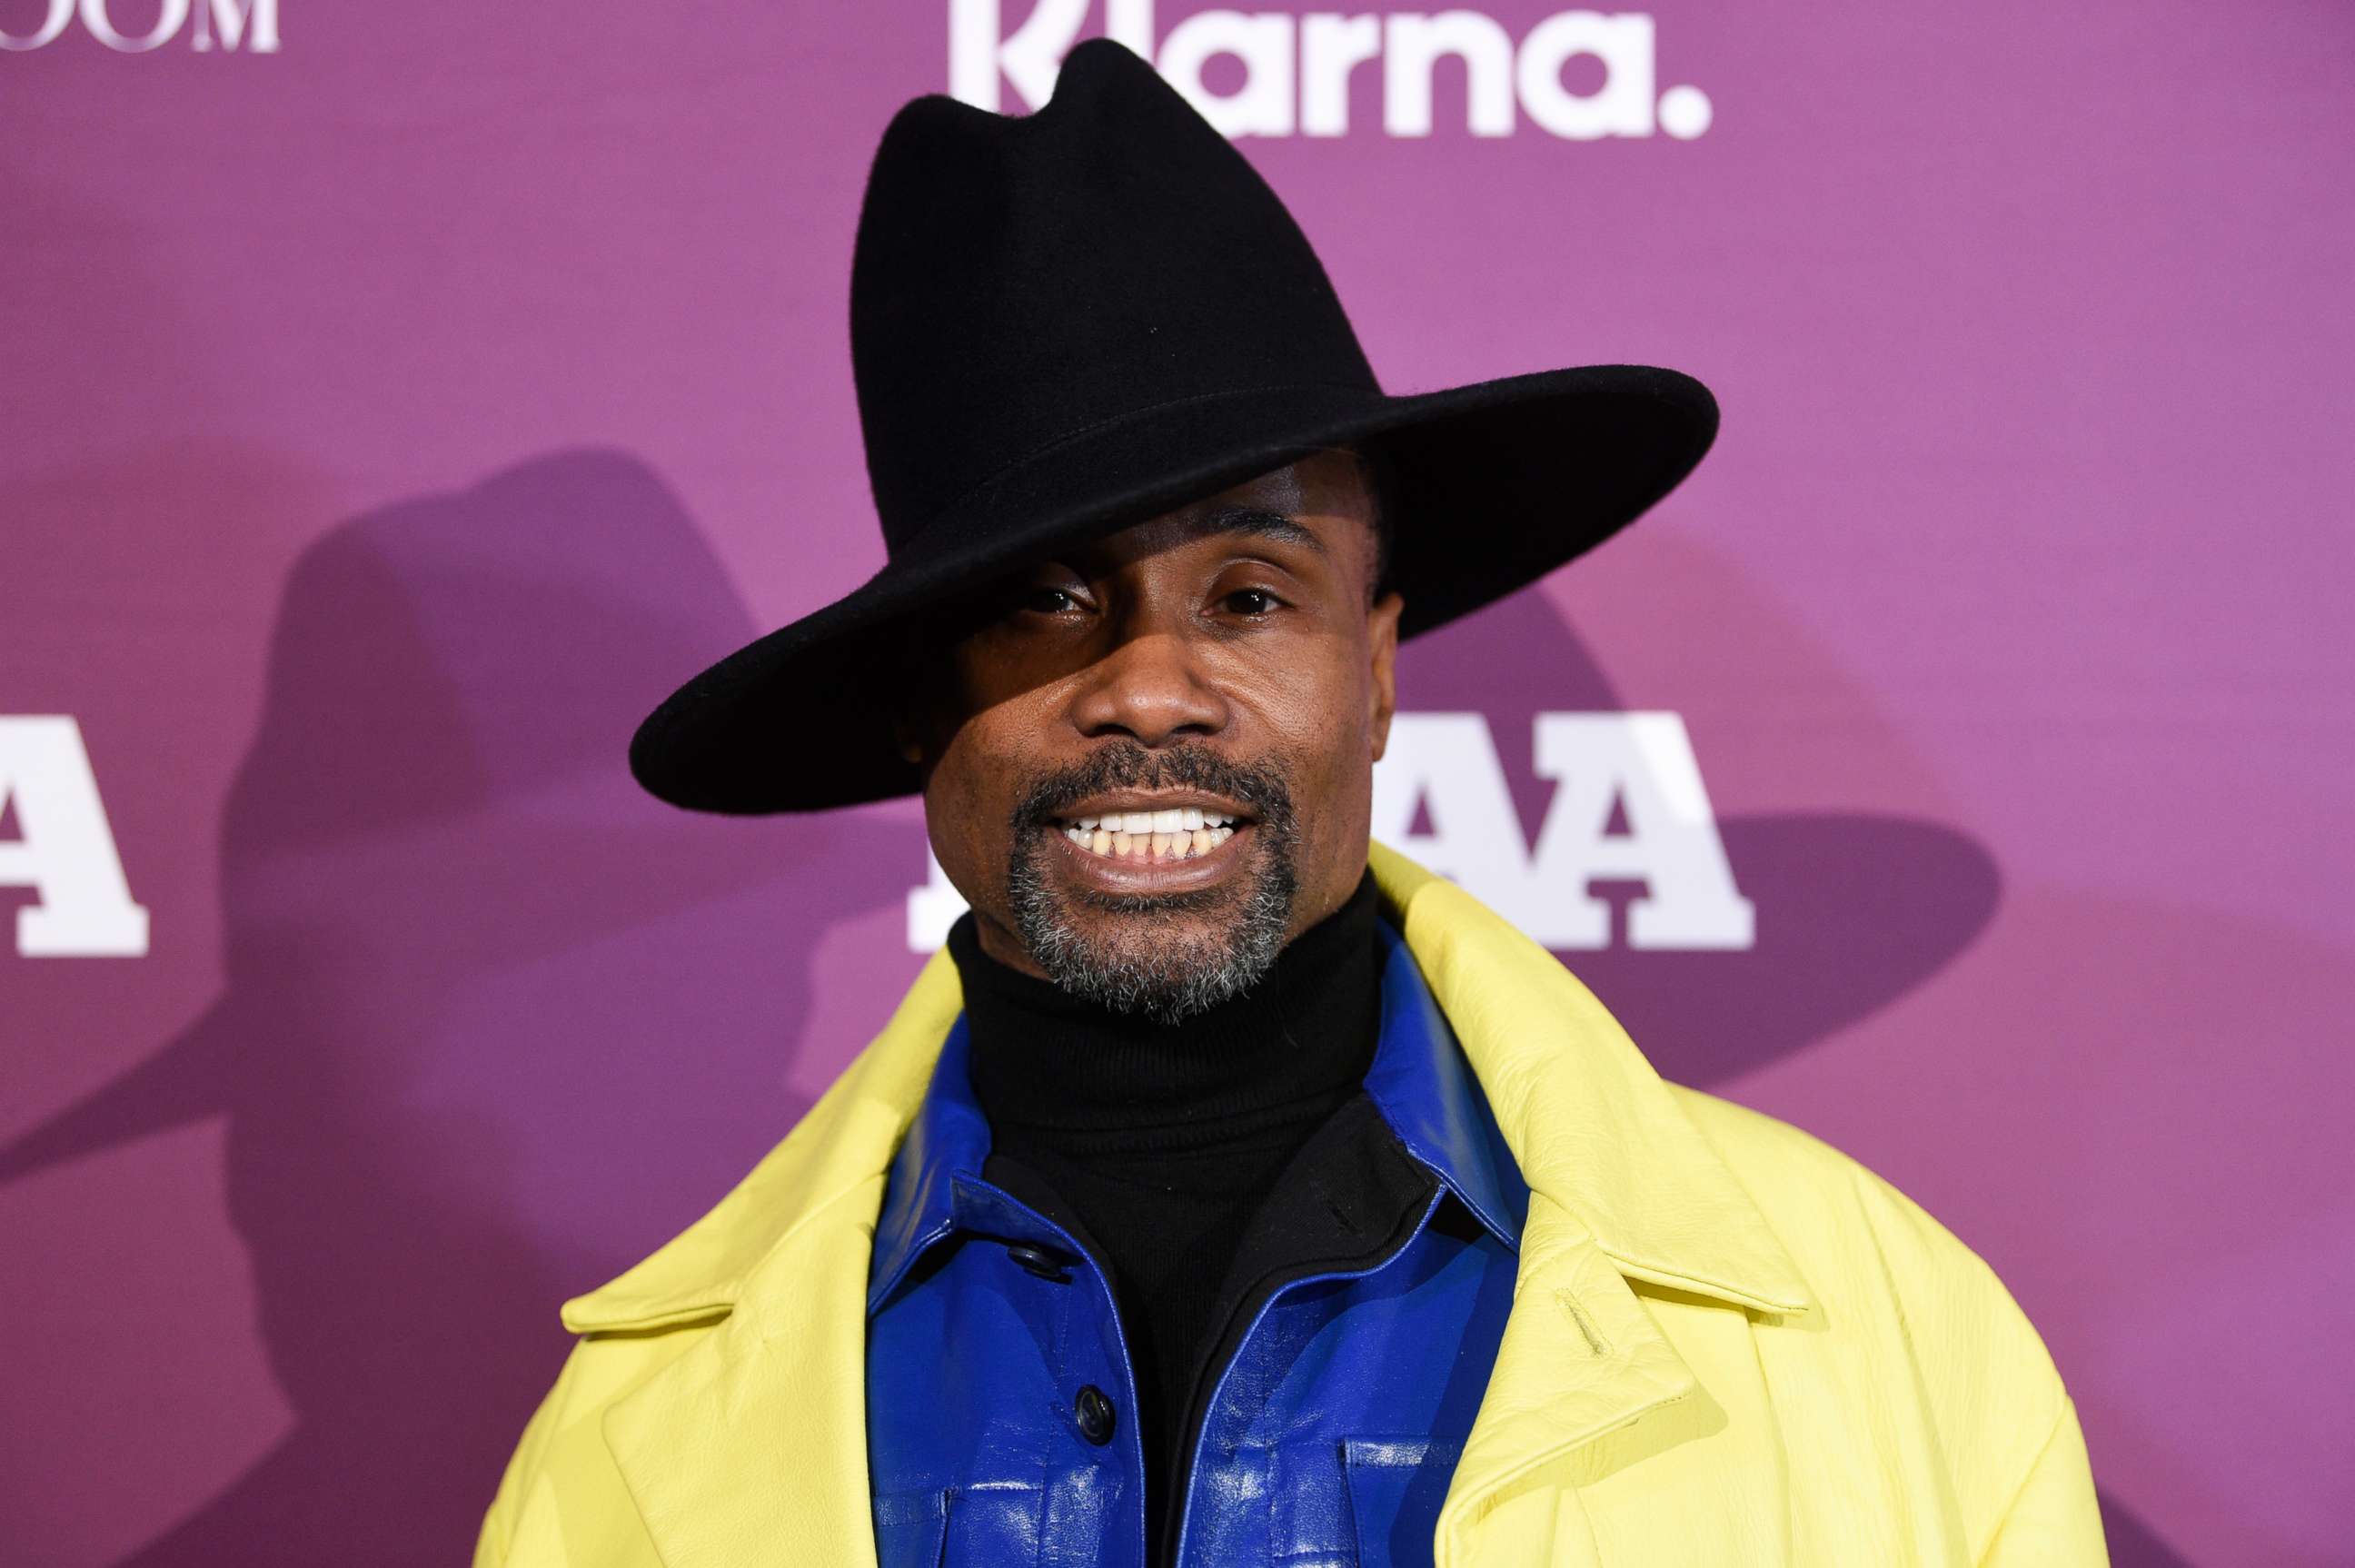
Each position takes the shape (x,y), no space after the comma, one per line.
(1151,687)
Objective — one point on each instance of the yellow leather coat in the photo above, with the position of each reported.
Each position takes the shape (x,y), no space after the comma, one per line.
(1730,1344)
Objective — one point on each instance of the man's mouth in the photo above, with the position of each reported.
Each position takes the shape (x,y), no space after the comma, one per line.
(1149,837)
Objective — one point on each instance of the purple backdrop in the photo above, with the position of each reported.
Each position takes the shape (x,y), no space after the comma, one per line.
(398,403)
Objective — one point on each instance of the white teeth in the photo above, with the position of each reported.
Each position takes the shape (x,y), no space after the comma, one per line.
(1176,820)
(1177,834)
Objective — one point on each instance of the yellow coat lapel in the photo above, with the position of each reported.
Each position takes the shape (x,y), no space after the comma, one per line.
(750,1447)
(1621,1184)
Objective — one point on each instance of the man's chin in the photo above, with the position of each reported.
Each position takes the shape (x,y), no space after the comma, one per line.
(1146,937)
(1168,957)
(1162,987)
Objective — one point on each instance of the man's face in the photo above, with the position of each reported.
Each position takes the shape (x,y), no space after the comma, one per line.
(1223,662)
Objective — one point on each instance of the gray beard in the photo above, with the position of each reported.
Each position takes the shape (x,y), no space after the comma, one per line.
(1165,979)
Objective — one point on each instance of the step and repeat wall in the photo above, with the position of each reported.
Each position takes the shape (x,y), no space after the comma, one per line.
(397,401)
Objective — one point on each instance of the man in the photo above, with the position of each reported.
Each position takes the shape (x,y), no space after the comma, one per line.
(1230,1190)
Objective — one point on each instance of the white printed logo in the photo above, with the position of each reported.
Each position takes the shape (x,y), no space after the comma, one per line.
(224,22)
(64,851)
(1443,767)
(1296,68)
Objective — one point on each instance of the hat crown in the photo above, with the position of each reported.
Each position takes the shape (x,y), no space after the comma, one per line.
(1018,281)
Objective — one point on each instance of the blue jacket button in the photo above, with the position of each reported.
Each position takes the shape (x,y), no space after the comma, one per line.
(1095,1415)
(1036,1260)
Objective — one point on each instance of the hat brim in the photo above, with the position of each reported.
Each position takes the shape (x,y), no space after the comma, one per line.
(1497,483)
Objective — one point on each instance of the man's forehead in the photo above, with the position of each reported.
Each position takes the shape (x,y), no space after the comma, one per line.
(1331,482)
(1307,502)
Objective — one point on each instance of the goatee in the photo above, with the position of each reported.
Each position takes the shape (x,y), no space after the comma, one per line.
(1168,957)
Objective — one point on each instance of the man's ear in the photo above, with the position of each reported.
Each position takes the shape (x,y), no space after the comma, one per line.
(1381,632)
(909,702)
(910,727)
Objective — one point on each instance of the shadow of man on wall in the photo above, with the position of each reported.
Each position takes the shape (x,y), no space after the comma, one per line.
(496,1023)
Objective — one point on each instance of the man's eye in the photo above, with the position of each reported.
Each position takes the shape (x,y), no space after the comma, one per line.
(1047,601)
(1251,602)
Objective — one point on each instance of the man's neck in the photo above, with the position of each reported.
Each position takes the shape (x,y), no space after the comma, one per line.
(1044,1059)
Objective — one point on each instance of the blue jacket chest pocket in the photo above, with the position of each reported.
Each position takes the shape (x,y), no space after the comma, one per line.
(1356,1502)
(1396,1486)
(1001,1524)
(988,1526)
(910,1528)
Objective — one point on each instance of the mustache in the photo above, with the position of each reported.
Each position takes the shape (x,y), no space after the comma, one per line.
(1262,787)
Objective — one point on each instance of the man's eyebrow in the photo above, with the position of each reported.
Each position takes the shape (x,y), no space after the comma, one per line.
(1263,523)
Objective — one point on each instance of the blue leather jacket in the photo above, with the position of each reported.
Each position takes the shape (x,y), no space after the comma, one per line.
(997,1377)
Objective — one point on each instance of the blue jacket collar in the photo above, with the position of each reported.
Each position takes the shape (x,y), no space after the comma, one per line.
(1419,1080)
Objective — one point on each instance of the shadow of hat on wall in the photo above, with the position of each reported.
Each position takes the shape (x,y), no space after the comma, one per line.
(495,1023)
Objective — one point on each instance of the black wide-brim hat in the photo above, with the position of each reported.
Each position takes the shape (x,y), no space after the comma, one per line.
(1065,323)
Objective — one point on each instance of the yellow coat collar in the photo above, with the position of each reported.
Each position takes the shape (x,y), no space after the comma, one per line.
(757,1433)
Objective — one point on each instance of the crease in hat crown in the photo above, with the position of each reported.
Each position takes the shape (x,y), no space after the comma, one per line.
(1177,273)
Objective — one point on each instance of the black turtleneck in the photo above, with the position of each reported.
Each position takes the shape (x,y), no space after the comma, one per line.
(1157,1143)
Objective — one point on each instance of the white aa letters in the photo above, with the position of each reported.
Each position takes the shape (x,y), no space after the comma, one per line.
(1296,68)
(64,851)
(1443,768)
